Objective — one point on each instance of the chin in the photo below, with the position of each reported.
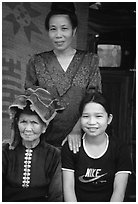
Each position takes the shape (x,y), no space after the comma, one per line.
(29,139)
(92,134)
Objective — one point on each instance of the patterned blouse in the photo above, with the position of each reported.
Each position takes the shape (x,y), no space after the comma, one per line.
(44,70)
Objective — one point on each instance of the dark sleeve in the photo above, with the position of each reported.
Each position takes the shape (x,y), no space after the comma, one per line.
(123,159)
(67,157)
(55,189)
(4,166)
(95,76)
(5,147)
(31,78)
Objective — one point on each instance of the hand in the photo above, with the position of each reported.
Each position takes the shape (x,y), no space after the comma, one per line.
(74,141)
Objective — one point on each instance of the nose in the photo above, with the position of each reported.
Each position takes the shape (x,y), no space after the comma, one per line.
(91,121)
(58,33)
(28,127)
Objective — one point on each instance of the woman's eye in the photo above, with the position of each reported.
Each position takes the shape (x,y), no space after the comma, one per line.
(23,121)
(52,29)
(34,122)
(85,116)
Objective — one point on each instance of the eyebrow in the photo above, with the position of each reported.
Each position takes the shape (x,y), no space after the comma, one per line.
(94,113)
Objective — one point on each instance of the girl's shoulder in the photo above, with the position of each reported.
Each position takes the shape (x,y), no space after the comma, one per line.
(118,145)
(66,152)
(117,141)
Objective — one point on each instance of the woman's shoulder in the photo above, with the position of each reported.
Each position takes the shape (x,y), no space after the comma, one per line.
(44,53)
(41,55)
(87,52)
(5,145)
(88,56)
(51,149)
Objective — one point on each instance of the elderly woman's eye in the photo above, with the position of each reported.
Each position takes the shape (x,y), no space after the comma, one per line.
(22,121)
(34,122)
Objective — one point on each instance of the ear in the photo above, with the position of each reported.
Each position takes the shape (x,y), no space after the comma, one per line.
(44,128)
(74,32)
(110,119)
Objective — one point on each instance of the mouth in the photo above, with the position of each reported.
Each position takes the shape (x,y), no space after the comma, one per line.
(28,135)
(60,43)
(92,129)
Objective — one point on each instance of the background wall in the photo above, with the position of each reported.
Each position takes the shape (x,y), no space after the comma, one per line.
(24,34)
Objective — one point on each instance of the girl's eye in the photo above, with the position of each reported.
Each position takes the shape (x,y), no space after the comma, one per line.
(64,28)
(99,116)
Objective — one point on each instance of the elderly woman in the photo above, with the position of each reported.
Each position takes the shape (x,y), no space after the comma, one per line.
(31,170)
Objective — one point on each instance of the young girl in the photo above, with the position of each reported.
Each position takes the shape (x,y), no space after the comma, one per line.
(99,171)
(31,168)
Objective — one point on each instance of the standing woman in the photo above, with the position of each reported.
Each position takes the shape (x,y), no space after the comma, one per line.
(65,72)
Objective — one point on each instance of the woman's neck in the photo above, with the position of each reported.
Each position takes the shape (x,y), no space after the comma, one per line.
(30,144)
(67,52)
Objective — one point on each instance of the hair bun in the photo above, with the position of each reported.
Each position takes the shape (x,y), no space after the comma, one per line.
(63,6)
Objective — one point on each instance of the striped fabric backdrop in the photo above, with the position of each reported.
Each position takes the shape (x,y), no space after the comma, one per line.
(23,35)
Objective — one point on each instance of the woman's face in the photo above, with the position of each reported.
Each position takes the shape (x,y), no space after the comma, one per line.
(94,119)
(30,127)
(61,32)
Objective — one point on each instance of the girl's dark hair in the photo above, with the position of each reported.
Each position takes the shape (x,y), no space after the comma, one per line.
(97,97)
(66,8)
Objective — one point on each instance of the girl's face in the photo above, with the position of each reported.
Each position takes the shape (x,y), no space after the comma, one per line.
(94,119)
(30,127)
(61,32)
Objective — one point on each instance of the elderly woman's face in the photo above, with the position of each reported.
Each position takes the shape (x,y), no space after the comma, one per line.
(61,32)
(30,127)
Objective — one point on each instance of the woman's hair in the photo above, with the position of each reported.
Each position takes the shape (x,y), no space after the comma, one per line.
(66,8)
(97,97)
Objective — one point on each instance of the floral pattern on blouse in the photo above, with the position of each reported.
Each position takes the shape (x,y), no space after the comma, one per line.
(45,71)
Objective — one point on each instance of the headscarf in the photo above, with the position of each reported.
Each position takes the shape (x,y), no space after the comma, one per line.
(40,101)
